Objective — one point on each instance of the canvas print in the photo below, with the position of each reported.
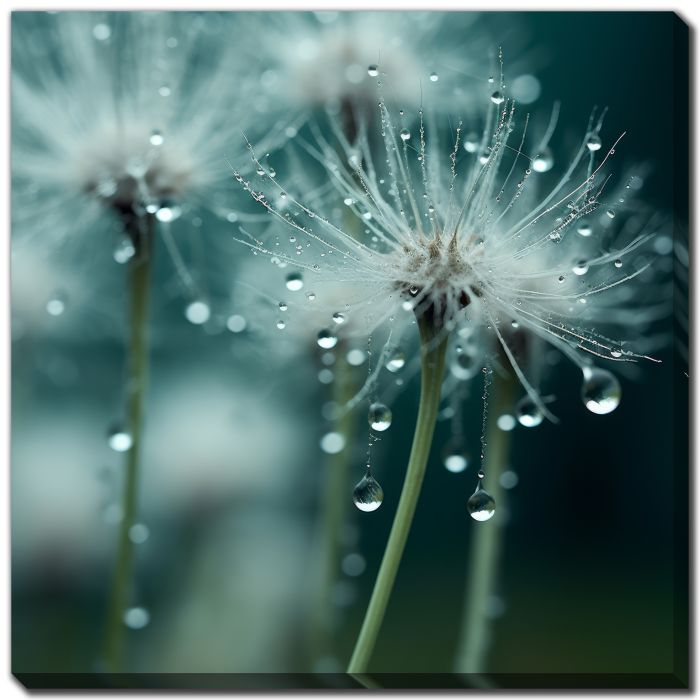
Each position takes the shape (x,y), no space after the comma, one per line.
(349,349)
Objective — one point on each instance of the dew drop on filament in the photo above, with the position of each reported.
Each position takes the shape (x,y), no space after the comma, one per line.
(601,391)
(528,413)
(379,417)
(294,281)
(594,143)
(481,505)
(368,494)
(326,339)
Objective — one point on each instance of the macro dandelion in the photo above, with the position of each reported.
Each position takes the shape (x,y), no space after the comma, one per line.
(463,243)
(118,131)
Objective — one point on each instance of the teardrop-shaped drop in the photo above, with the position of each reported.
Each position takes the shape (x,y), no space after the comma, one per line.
(601,391)
(379,417)
(481,505)
(528,413)
(368,494)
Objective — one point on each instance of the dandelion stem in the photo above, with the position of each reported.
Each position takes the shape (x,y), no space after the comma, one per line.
(334,508)
(487,541)
(139,274)
(433,346)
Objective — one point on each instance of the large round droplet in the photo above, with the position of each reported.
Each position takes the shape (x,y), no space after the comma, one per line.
(405,134)
(528,413)
(601,391)
(543,162)
(481,505)
(497,98)
(294,281)
(326,339)
(594,143)
(379,417)
(368,494)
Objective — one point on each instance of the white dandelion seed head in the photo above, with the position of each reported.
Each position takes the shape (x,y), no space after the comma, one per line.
(476,241)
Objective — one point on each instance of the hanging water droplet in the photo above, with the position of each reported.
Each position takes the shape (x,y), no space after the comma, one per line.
(356,357)
(434,77)
(136,618)
(198,312)
(471,142)
(601,391)
(326,339)
(373,71)
(396,361)
(167,213)
(497,98)
(119,439)
(294,281)
(379,417)
(580,268)
(618,263)
(481,505)
(310,296)
(480,474)
(464,366)
(610,213)
(281,325)
(561,279)
(584,229)
(405,134)
(368,494)
(543,162)
(528,413)
(283,306)
(339,318)
(594,143)
(124,251)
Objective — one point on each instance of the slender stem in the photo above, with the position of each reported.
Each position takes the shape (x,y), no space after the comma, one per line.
(139,274)
(488,538)
(334,508)
(433,348)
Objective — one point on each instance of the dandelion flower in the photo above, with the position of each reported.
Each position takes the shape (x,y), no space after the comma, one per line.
(456,244)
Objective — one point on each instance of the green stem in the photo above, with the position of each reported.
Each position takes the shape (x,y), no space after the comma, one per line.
(488,537)
(433,346)
(334,507)
(137,359)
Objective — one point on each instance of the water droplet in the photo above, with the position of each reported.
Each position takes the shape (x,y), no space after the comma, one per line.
(139,533)
(396,361)
(584,229)
(618,263)
(56,305)
(310,296)
(356,357)
(373,71)
(379,417)
(434,77)
(580,268)
(332,443)
(543,162)
(197,312)
(405,134)
(124,251)
(497,98)
(156,138)
(339,318)
(464,366)
(594,143)
(471,142)
(610,213)
(282,306)
(281,325)
(561,279)
(601,391)
(326,339)
(236,323)
(136,618)
(368,494)
(454,456)
(101,32)
(119,440)
(528,413)
(506,422)
(481,505)
(294,281)
(168,213)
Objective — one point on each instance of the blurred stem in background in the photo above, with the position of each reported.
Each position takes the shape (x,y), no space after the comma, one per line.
(433,346)
(487,540)
(334,503)
(139,276)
